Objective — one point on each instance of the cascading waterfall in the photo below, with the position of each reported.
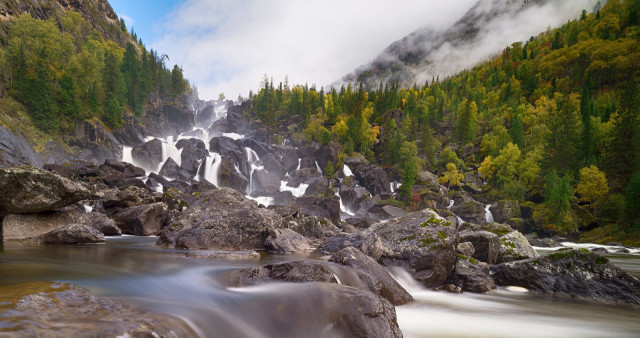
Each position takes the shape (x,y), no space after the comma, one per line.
(299,164)
(126,154)
(451,202)
(347,171)
(297,192)
(488,216)
(252,159)
(212,168)
(318,168)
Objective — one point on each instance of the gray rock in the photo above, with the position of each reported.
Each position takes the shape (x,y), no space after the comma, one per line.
(486,245)
(571,273)
(466,249)
(286,241)
(316,206)
(422,242)
(94,138)
(143,220)
(514,246)
(300,271)
(373,275)
(29,190)
(230,176)
(148,154)
(74,234)
(15,151)
(504,210)
(312,226)
(170,169)
(366,242)
(472,276)
(265,181)
(104,224)
(27,227)
(470,211)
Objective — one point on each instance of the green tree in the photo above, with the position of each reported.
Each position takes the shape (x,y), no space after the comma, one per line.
(131,71)
(467,121)
(632,201)
(408,180)
(558,193)
(329,170)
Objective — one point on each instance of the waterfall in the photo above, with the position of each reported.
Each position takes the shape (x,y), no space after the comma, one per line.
(460,220)
(395,186)
(450,204)
(126,154)
(488,216)
(347,171)
(297,192)
(319,169)
(212,168)
(343,207)
(252,158)
(299,163)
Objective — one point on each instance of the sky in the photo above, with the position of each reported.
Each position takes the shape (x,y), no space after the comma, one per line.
(227,46)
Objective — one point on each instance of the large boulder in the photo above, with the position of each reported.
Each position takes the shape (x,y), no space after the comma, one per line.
(97,140)
(230,176)
(374,179)
(286,241)
(266,182)
(170,169)
(422,242)
(148,154)
(352,195)
(15,151)
(128,170)
(316,206)
(220,219)
(143,220)
(485,243)
(373,275)
(104,224)
(298,271)
(505,210)
(206,116)
(366,242)
(191,157)
(74,234)
(472,276)
(224,145)
(514,246)
(29,190)
(571,273)
(38,309)
(471,211)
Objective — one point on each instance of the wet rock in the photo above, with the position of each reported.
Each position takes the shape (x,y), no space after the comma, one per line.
(472,276)
(29,190)
(170,169)
(272,165)
(230,176)
(260,148)
(422,242)
(231,255)
(470,210)
(191,158)
(95,138)
(224,146)
(206,116)
(300,271)
(466,249)
(486,245)
(600,251)
(320,207)
(303,175)
(385,212)
(571,273)
(116,200)
(265,181)
(311,226)
(286,241)
(283,198)
(504,210)
(15,151)
(534,240)
(374,179)
(514,246)
(373,275)
(220,219)
(143,220)
(366,242)
(317,186)
(148,154)
(127,169)
(74,234)
(38,309)
(104,224)
(352,195)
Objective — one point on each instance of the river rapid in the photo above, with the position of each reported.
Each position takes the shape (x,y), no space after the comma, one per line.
(134,270)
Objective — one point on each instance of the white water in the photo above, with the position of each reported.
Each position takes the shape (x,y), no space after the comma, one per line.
(488,216)
(591,246)
(394,186)
(318,168)
(451,202)
(266,201)
(299,163)
(88,208)
(126,154)
(212,169)
(252,158)
(343,207)
(234,136)
(347,171)
(297,192)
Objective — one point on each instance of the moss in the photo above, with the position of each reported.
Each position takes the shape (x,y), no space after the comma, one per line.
(442,235)
(473,261)
(425,242)
(601,260)
(463,257)
(408,238)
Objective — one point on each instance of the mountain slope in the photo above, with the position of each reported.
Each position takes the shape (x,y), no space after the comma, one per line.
(483,31)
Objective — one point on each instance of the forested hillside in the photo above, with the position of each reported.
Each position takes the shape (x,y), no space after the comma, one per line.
(551,122)
(62,69)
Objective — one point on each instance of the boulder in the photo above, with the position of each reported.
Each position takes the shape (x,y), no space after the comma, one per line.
(127,169)
(373,275)
(148,154)
(230,176)
(230,255)
(286,241)
(15,151)
(320,207)
(472,276)
(38,309)
(317,186)
(206,116)
(385,212)
(30,189)
(116,200)
(422,242)
(373,178)
(504,210)
(466,249)
(224,146)
(485,243)
(170,169)
(220,219)
(352,195)
(300,271)
(191,157)
(570,273)
(143,220)
(74,234)
(104,224)
(514,246)
(311,226)
(266,182)
(470,211)
(94,138)
(366,242)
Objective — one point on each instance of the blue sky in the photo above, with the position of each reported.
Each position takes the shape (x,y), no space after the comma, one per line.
(147,17)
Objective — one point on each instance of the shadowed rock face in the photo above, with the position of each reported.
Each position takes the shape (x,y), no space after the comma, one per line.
(40,308)
(74,234)
(29,190)
(571,273)
(16,151)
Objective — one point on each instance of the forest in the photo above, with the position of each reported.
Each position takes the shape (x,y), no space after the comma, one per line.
(552,122)
(61,70)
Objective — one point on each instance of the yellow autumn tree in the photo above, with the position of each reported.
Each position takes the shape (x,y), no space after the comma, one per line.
(592,187)
(451,178)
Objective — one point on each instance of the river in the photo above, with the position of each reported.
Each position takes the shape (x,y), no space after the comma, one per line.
(135,270)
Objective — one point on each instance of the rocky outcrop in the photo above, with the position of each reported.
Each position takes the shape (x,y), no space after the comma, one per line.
(230,175)
(95,138)
(286,241)
(74,234)
(143,220)
(303,271)
(422,242)
(15,151)
(29,190)
(38,309)
(470,211)
(486,245)
(320,207)
(472,276)
(373,275)
(167,115)
(220,219)
(170,169)
(571,273)
(514,246)
(505,210)
(366,242)
(148,154)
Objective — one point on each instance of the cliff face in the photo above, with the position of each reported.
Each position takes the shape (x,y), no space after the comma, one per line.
(98,12)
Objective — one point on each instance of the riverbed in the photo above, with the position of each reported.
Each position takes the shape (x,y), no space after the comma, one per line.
(135,270)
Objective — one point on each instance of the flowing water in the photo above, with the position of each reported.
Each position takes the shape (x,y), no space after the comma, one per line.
(134,270)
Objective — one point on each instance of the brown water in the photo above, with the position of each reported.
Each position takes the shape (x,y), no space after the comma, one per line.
(134,270)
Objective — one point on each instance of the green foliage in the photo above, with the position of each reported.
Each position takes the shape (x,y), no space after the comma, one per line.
(632,201)
(408,180)
(558,194)
(329,170)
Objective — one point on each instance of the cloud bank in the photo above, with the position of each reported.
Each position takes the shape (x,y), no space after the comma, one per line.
(228,45)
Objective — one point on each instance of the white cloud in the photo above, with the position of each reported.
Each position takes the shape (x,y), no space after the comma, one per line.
(227,45)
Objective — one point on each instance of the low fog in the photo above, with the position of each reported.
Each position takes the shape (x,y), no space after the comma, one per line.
(488,27)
